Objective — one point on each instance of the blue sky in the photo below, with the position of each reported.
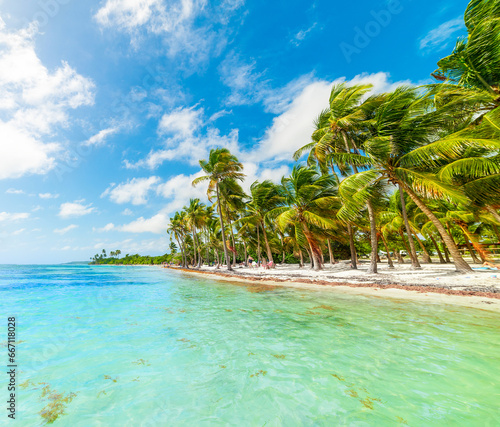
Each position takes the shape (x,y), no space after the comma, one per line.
(106,106)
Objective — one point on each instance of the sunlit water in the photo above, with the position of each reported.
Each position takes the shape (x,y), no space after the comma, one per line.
(141,346)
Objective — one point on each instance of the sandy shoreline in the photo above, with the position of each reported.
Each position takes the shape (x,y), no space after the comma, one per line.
(451,290)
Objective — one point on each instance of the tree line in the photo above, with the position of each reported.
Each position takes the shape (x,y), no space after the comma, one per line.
(416,169)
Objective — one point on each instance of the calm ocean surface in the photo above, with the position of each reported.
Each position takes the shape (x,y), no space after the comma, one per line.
(142,346)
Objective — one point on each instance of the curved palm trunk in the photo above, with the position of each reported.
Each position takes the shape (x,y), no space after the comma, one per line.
(354,256)
(268,248)
(446,253)
(232,240)
(246,254)
(401,234)
(389,260)
(413,253)
(315,251)
(301,258)
(426,258)
(485,256)
(440,255)
(182,251)
(195,247)
(226,255)
(493,212)
(311,260)
(208,244)
(330,252)
(258,245)
(373,238)
(475,259)
(460,264)
(185,256)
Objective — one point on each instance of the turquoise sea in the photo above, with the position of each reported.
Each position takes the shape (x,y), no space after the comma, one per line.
(143,346)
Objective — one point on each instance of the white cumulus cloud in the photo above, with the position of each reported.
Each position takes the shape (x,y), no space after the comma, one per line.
(133,191)
(75,209)
(34,103)
(156,224)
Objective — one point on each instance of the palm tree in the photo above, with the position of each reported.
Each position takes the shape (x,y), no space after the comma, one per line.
(177,228)
(339,129)
(232,196)
(264,198)
(402,126)
(195,217)
(475,61)
(308,200)
(220,167)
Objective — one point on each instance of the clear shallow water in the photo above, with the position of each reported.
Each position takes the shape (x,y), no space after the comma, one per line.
(142,346)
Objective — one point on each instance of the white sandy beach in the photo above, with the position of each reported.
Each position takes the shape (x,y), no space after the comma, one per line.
(346,280)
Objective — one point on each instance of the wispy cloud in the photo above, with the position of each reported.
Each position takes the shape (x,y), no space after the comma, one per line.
(191,30)
(439,38)
(6,216)
(108,227)
(101,136)
(48,196)
(65,229)
(14,191)
(298,38)
(75,209)
(249,86)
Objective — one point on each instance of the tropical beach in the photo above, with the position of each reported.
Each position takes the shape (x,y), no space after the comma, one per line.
(286,235)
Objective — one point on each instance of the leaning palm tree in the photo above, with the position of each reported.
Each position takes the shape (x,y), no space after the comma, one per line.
(220,167)
(232,202)
(195,216)
(404,125)
(264,198)
(177,228)
(475,61)
(308,200)
(338,130)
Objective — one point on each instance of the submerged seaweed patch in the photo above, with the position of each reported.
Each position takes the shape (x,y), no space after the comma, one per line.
(367,401)
(260,288)
(261,372)
(141,362)
(324,307)
(107,377)
(351,392)
(57,404)
(279,356)
(27,383)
